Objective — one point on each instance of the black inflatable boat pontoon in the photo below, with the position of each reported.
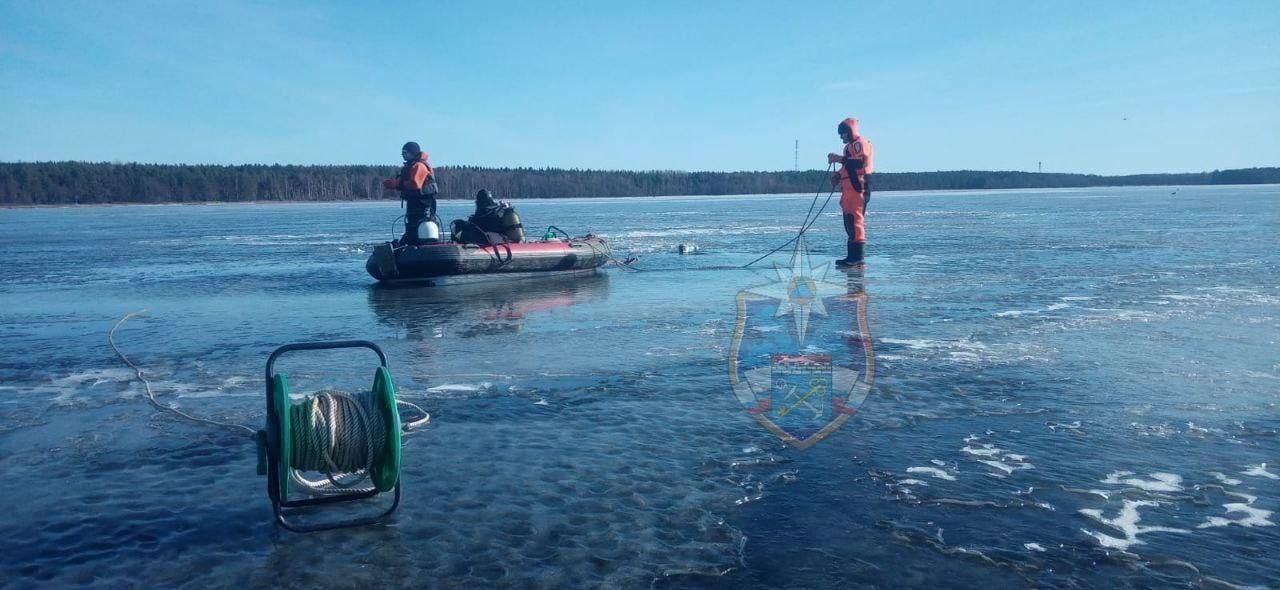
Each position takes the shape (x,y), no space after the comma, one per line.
(447,262)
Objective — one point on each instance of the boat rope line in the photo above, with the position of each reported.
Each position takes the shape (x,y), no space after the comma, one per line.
(151,396)
(396,223)
(804,227)
(494,253)
(497,255)
(604,251)
(334,429)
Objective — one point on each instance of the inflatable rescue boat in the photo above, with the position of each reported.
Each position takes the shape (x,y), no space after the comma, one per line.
(454,262)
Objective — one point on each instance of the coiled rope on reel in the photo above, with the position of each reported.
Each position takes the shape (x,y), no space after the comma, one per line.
(342,436)
(339,434)
(353,439)
(349,438)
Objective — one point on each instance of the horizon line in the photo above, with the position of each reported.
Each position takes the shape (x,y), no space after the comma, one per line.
(650,171)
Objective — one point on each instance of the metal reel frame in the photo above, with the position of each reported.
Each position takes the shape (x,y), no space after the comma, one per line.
(272,438)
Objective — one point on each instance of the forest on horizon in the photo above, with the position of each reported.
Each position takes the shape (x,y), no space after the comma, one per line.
(85,183)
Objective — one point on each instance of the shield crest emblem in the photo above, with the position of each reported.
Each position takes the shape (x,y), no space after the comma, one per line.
(801,361)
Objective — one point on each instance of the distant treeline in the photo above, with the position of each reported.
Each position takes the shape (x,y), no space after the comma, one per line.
(57,183)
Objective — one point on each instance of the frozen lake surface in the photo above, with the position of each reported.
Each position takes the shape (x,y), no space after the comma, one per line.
(1073,388)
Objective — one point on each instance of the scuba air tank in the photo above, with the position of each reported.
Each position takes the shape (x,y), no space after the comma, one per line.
(511,225)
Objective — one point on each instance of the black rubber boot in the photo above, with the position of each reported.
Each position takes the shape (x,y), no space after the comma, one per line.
(855,255)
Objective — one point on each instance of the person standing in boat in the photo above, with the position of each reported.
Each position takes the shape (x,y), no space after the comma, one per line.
(855,191)
(417,185)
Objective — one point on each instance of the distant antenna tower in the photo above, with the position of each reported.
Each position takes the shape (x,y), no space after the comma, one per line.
(797,155)
(1039,166)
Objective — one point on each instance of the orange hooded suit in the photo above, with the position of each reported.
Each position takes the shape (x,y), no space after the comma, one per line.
(855,166)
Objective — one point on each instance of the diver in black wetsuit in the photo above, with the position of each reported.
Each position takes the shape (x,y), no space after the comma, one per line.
(488,214)
(491,223)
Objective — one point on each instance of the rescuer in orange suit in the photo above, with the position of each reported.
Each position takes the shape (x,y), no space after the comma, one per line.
(855,192)
(417,185)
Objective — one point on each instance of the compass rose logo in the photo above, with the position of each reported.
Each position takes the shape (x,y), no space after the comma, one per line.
(801,362)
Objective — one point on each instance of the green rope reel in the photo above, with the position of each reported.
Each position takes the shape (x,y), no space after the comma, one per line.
(352,438)
(312,438)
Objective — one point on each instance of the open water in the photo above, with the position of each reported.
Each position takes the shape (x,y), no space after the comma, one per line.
(1073,388)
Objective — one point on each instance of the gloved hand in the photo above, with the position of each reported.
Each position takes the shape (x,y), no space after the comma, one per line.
(833,158)
(390,183)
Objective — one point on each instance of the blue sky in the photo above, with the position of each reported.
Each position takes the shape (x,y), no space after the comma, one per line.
(1099,87)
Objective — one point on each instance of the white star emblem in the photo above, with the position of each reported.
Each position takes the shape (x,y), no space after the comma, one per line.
(800,289)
